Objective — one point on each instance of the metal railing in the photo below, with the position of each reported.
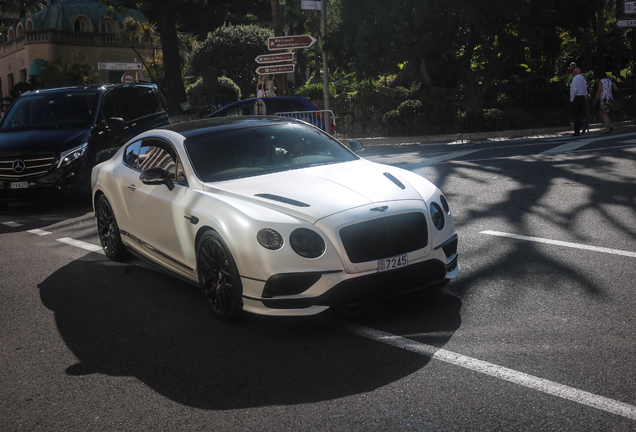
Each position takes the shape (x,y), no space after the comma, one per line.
(324,119)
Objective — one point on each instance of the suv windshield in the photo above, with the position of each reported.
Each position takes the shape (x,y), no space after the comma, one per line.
(64,108)
(260,150)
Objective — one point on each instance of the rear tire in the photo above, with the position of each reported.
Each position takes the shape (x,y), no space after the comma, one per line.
(108,230)
(219,277)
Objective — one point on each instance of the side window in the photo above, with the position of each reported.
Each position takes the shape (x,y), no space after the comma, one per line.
(131,154)
(109,106)
(150,100)
(153,153)
(130,102)
(297,106)
(242,109)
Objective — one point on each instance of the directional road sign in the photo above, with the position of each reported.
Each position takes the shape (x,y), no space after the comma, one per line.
(275,58)
(625,23)
(630,7)
(290,42)
(120,66)
(273,70)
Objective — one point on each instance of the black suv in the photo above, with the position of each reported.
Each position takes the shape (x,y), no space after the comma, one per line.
(49,139)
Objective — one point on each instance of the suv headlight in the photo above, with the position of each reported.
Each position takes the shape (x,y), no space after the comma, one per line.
(71,155)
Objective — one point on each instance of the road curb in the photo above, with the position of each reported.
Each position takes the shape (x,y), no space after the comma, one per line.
(463,138)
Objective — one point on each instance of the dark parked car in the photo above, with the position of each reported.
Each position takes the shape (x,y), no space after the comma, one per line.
(49,139)
(294,106)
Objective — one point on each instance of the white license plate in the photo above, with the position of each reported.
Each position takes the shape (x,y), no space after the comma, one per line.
(393,263)
(19,185)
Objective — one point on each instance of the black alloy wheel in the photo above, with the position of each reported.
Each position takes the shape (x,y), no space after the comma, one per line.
(108,231)
(219,277)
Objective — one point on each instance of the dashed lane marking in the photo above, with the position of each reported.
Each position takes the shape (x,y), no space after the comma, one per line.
(562,243)
(39,232)
(80,244)
(12,224)
(503,373)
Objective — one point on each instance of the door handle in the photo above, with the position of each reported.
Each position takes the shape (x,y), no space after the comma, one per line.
(131,187)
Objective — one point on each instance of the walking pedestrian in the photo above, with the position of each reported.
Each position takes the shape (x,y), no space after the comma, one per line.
(271,87)
(578,97)
(604,93)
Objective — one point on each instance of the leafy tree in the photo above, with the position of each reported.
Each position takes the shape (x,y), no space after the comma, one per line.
(231,50)
(21,8)
(463,42)
(60,73)
(164,13)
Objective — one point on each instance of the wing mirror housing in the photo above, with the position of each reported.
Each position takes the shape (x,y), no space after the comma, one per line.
(156,176)
(355,146)
(115,124)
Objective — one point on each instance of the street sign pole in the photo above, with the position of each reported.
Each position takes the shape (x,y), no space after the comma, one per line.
(325,70)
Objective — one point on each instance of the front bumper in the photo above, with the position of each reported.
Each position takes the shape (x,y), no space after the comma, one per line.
(72,180)
(349,293)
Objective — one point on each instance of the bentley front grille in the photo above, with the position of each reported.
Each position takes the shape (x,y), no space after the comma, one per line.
(385,237)
(20,167)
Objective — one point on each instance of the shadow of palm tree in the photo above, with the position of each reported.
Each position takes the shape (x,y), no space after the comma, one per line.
(126,320)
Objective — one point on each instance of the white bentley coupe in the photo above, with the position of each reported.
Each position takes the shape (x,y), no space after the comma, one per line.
(272,216)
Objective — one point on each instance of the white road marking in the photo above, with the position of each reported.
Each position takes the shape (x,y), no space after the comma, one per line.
(562,243)
(39,232)
(80,244)
(568,147)
(520,378)
(447,156)
(12,224)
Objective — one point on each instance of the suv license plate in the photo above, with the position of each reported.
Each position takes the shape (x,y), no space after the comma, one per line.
(393,263)
(19,185)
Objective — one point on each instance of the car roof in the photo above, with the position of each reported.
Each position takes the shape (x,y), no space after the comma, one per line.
(199,127)
(86,87)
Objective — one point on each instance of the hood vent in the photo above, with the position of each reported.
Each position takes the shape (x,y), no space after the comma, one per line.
(282,199)
(394,180)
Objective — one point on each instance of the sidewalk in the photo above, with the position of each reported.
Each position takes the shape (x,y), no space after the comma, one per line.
(463,138)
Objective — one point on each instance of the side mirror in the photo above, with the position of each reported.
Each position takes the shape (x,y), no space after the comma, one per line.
(355,146)
(115,124)
(156,176)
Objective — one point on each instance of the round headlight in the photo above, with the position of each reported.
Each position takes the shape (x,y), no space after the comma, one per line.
(307,243)
(445,206)
(270,239)
(437,216)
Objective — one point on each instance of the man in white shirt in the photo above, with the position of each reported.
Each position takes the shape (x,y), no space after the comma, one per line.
(578,97)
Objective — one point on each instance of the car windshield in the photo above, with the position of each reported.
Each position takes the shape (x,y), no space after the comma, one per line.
(247,152)
(60,109)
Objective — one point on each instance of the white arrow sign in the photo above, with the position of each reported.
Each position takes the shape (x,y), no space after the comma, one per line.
(625,23)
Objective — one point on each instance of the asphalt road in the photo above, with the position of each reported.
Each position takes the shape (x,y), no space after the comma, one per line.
(537,333)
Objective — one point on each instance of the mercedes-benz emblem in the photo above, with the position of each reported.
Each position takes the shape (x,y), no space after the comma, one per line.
(18,166)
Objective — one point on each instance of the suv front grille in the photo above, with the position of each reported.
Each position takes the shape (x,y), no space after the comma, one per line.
(385,237)
(19,167)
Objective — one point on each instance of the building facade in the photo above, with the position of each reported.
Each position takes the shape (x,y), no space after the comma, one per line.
(63,28)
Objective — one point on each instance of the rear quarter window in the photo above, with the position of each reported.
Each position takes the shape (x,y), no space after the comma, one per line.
(150,100)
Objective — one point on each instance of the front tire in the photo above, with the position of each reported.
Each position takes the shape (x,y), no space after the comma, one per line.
(108,230)
(219,277)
